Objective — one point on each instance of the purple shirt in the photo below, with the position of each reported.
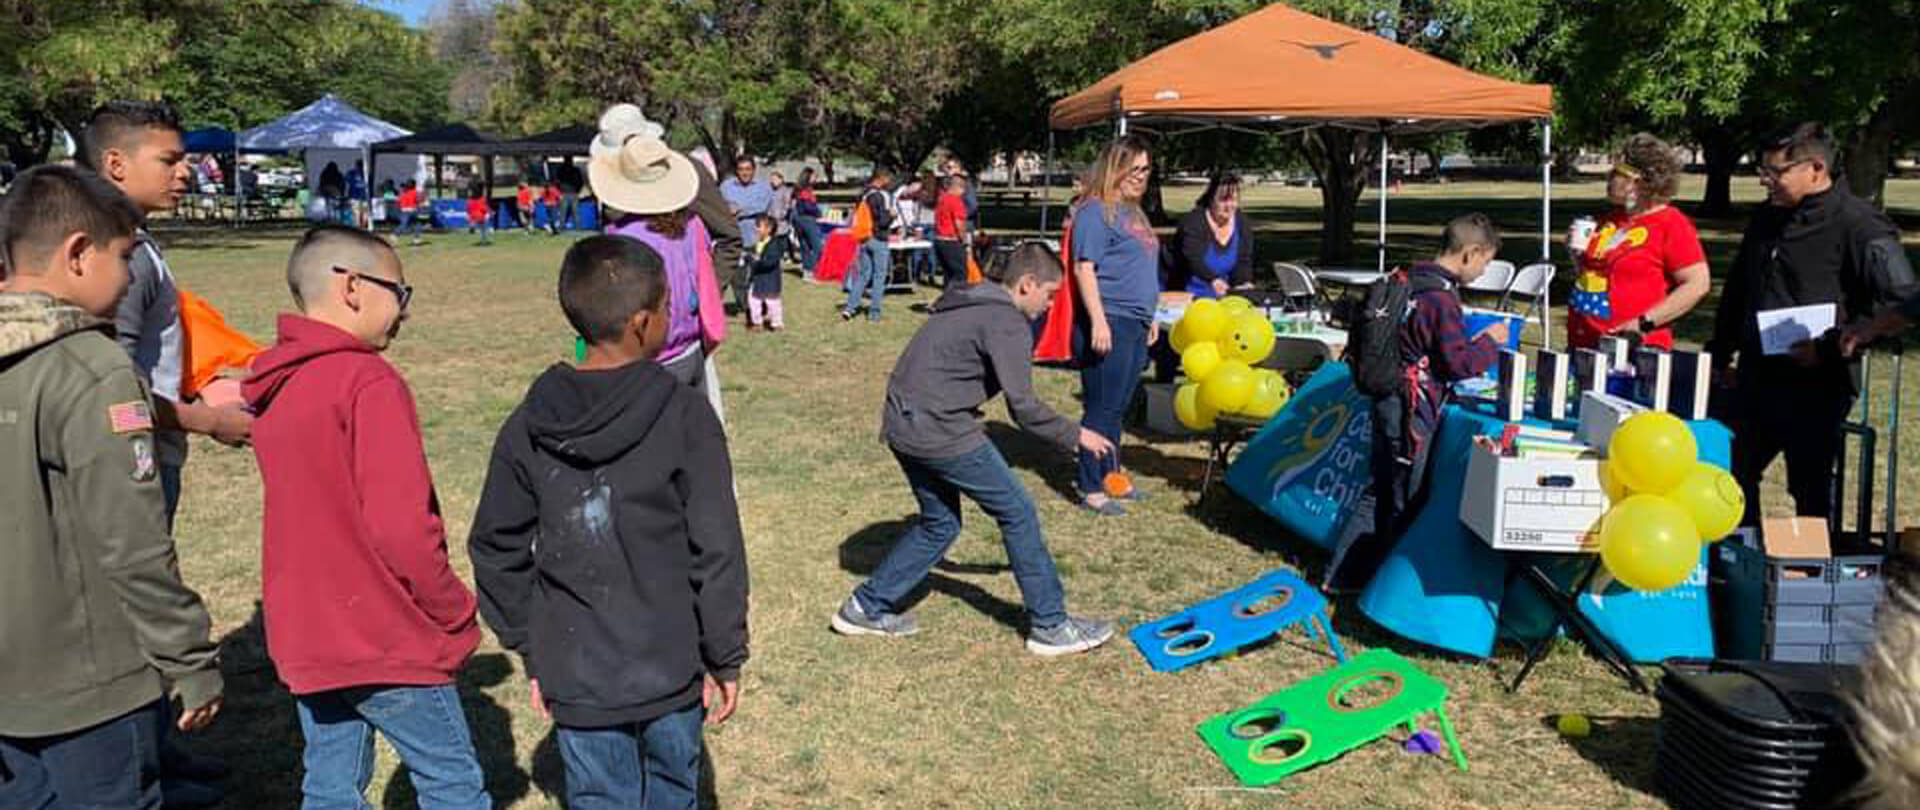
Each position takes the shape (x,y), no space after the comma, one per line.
(682,258)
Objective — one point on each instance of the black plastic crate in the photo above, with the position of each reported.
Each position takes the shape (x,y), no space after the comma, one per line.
(1795,609)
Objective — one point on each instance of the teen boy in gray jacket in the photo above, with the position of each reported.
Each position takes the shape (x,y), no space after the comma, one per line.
(977,344)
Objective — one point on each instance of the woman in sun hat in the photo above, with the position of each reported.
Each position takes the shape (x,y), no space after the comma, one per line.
(650,189)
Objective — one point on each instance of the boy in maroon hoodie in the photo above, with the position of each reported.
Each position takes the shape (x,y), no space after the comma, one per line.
(366,621)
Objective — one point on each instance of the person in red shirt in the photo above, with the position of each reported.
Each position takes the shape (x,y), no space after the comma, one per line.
(1643,268)
(523,199)
(366,621)
(478,211)
(551,197)
(950,230)
(410,217)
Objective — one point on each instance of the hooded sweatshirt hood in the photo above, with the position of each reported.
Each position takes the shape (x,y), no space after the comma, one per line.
(301,339)
(593,417)
(29,321)
(973,295)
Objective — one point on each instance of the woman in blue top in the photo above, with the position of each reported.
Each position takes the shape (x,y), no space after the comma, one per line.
(1116,267)
(1216,247)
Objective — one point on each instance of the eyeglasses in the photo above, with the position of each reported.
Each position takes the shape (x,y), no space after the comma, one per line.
(1775,172)
(401,290)
(1141,170)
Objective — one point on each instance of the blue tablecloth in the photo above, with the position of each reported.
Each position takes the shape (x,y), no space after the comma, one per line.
(1442,586)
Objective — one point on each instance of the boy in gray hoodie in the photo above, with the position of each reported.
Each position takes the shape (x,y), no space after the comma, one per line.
(977,344)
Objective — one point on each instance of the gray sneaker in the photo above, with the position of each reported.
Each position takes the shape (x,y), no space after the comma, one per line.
(1076,634)
(853,620)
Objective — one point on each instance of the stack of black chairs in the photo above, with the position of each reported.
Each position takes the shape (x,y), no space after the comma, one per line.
(1763,735)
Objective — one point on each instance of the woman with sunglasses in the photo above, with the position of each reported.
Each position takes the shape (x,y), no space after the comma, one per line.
(1116,269)
(1643,267)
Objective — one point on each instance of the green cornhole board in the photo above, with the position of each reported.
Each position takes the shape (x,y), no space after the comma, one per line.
(1316,720)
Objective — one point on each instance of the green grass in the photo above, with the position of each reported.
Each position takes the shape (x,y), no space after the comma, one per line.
(959,716)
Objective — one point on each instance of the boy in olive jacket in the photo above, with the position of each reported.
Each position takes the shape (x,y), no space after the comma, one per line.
(95,625)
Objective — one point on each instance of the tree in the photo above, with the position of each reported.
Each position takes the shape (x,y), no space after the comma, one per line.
(233,63)
(462,32)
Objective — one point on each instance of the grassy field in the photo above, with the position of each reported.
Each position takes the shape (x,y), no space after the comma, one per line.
(960,716)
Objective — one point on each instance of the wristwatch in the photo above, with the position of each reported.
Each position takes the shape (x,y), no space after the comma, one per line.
(1646,324)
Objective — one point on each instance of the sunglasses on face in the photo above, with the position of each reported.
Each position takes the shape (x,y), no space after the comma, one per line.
(401,291)
(1775,172)
(1141,170)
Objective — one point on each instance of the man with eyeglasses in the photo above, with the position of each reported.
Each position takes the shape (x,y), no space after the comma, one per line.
(1813,243)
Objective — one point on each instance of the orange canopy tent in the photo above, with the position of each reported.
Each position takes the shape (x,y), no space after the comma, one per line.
(1283,68)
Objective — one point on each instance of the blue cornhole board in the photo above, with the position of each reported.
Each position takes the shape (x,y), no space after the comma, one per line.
(1222,625)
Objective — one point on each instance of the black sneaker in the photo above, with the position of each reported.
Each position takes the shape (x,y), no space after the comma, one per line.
(1076,634)
(854,620)
(846,314)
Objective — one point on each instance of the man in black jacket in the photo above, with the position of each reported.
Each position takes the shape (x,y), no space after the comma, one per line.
(607,545)
(1813,243)
(977,344)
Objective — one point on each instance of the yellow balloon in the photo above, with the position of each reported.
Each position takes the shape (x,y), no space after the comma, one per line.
(1229,387)
(1205,320)
(1234,305)
(1652,451)
(1714,500)
(1189,410)
(1251,338)
(1610,484)
(1182,337)
(1649,543)
(1199,360)
(1270,394)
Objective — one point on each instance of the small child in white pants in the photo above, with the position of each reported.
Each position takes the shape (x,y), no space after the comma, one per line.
(763,286)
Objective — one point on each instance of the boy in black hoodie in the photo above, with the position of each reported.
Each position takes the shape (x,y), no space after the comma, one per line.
(607,545)
(978,343)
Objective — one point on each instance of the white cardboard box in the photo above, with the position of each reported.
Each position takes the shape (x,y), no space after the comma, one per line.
(1533,504)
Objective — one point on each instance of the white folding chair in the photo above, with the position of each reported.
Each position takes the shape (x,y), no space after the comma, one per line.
(1296,283)
(1497,278)
(1532,283)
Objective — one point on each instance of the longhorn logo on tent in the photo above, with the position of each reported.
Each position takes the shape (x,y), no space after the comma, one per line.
(1326,52)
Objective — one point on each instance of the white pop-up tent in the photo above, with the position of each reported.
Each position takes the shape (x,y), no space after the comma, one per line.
(332,131)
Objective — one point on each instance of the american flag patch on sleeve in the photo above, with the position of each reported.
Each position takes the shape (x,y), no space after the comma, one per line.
(127,417)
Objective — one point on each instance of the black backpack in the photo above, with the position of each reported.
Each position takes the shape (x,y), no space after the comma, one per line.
(1373,332)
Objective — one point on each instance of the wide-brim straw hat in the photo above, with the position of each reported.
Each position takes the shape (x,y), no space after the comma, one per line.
(632,170)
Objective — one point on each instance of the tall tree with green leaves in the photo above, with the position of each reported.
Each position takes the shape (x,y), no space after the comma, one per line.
(232,63)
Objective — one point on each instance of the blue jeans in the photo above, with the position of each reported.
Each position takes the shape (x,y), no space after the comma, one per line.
(411,219)
(871,268)
(114,764)
(938,483)
(652,766)
(807,230)
(424,724)
(1108,383)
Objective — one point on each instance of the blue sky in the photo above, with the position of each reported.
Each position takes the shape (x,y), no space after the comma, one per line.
(413,11)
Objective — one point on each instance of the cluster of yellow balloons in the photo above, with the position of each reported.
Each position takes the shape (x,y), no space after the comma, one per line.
(1666,502)
(1220,341)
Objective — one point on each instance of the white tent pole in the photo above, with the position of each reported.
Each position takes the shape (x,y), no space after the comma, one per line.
(1546,191)
(1546,225)
(1381,263)
(1046,183)
(1123,125)
(238,202)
